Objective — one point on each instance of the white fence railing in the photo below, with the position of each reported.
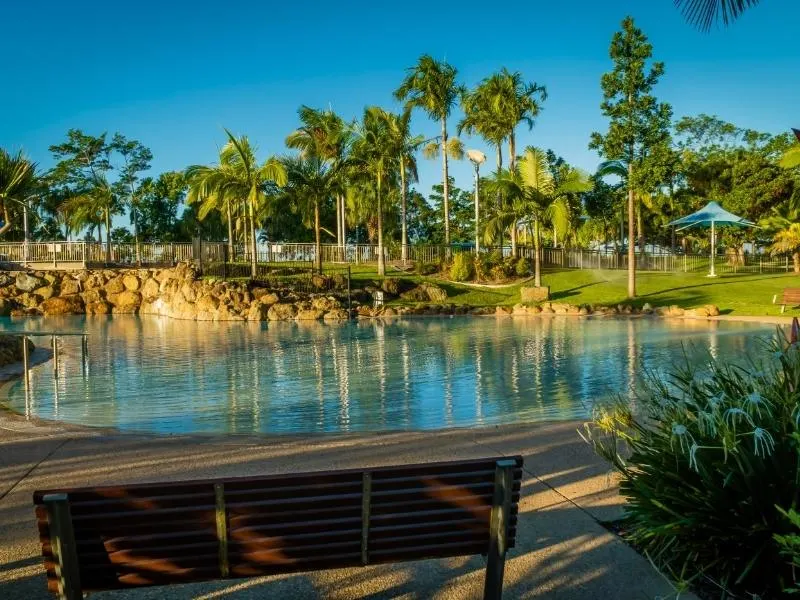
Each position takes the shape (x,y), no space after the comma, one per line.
(82,254)
(92,253)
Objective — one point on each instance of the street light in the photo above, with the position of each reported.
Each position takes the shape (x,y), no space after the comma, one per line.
(477,158)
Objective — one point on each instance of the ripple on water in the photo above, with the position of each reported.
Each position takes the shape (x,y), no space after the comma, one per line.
(161,375)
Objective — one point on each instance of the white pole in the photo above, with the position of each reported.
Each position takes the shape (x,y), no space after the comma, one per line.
(477,214)
(713,249)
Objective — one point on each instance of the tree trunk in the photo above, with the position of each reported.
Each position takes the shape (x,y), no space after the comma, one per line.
(344,220)
(230,231)
(514,239)
(631,237)
(381,257)
(499,156)
(136,236)
(318,247)
(445,185)
(796,261)
(537,255)
(640,228)
(108,235)
(339,240)
(404,229)
(253,247)
(512,150)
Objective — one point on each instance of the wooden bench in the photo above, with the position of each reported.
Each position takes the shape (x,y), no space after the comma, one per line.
(789,296)
(116,537)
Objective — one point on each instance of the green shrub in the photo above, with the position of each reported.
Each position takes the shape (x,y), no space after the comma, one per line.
(495,257)
(522,267)
(708,459)
(461,269)
(498,273)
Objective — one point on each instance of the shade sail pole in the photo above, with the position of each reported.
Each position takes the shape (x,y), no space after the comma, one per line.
(713,272)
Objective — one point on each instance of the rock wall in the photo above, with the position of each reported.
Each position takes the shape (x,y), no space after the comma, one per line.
(175,292)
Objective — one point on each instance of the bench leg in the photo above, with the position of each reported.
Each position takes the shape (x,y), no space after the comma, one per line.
(65,551)
(783,308)
(498,530)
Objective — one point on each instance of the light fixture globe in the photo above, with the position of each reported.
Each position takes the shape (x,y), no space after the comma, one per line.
(476,156)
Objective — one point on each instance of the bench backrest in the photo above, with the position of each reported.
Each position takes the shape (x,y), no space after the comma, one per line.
(791,295)
(163,533)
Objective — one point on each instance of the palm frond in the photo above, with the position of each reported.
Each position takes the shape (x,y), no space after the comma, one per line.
(705,13)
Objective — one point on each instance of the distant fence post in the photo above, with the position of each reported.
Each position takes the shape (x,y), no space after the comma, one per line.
(349,307)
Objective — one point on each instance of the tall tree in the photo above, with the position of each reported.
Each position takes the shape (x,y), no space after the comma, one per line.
(94,206)
(18,183)
(375,156)
(405,146)
(324,135)
(135,159)
(158,203)
(637,121)
(311,183)
(237,178)
(431,85)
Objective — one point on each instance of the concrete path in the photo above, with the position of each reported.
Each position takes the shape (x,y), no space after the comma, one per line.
(562,552)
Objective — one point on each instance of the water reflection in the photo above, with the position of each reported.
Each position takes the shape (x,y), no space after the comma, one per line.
(163,375)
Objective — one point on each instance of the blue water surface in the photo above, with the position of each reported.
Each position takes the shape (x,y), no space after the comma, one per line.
(167,376)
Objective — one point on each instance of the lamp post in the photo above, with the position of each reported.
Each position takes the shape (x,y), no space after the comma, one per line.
(477,158)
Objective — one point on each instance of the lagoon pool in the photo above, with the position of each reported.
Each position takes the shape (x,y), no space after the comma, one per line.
(160,375)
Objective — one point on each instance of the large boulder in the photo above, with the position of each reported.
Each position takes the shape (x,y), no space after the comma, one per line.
(115,286)
(126,302)
(336,314)
(309,314)
(391,285)
(6,280)
(282,312)
(150,289)
(325,303)
(93,295)
(69,286)
(207,303)
(27,282)
(264,296)
(45,292)
(98,308)
(131,282)
(532,294)
(62,305)
(434,292)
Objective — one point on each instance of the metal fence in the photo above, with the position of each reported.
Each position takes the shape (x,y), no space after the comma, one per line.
(65,255)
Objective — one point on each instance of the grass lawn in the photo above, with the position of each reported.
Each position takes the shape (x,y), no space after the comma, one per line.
(749,294)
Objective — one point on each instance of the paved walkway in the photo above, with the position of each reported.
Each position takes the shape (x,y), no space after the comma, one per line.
(562,552)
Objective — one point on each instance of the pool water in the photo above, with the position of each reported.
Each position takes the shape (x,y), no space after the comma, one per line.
(162,375)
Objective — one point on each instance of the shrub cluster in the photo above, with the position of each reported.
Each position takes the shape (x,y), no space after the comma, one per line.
(709,466)
(491,266)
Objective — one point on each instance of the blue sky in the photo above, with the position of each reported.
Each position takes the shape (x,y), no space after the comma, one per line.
(172,74)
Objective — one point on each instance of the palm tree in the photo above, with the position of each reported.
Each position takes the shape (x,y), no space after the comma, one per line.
(791,158)
(784,226)
(325,135)
(310,184)
(547,196)
(405,146)
(18,181)
(481,116)
(94,207)
(205,185)
(238,177)
(375,156)
(494,110)
(704,13)
(431,85)
(509,189)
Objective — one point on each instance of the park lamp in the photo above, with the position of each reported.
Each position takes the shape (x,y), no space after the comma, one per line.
(477,158)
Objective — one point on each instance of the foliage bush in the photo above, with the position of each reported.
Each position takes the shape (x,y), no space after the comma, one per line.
(522,267)
(709,462)
(493,258)
(461,269)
